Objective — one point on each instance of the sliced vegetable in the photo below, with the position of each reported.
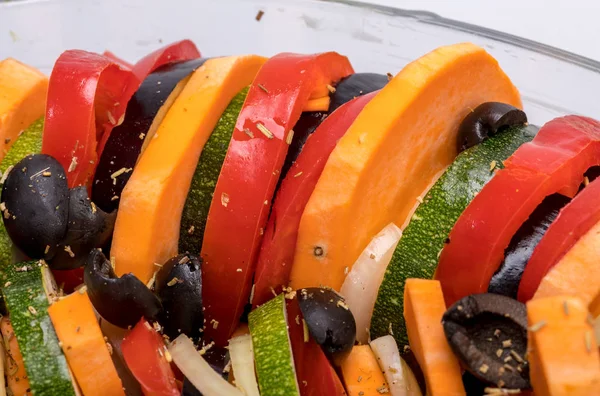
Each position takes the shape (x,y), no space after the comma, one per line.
(328,319)
(362,283)
(577,273)
(486,120)
(395,149)
(197,203)
(361,373)
(250,173)
(272,349)
(399,376)
(573,222)
(87,97)
(418,251)
(516,256)
(314,372)
(488,334)
(25,294)
(563,353)
(199,373)
(36,217)
(180,293)
(276,255)
(242,361)
(123,300)
(146,356)
(84,88)
(548,164)
(153,200)
(83,344)
(145,111)
(14,367)
(22,101)
(423,310)
(30,142)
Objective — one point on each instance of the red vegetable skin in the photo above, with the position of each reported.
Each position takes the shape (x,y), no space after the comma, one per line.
(144,352)
(573,221)
(249,174)
(123,63)
(554,161)
(87,96)
(68,280)
(315,374)
(276,255)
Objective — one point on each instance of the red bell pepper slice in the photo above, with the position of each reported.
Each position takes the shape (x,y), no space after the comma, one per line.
(119,61)
(249,174)
(68,280)
(554,161)
(573,221)
(276,255)
(87,96)
(314,372)
(144,352)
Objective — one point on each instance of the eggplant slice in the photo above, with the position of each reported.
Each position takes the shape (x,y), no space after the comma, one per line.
(145,111)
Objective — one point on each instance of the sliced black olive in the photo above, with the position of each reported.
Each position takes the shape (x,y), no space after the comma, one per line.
(88,227)
(506,280)
(328,319)
(121,301)
(181,295)
(144,110)
(348,88)
(488,333)
(218,358)
(35,204)
(486,120)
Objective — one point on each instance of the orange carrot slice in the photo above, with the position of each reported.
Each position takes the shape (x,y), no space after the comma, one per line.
(563,355)
(84,347)
(22,100)
(361,373)
(424,307)
(14,368)
(577,273)
(397,147)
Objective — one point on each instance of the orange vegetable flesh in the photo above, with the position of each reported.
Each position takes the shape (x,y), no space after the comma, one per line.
(14,368)
(563,354)
(147,227)
(397,146)
(594,305)
(578,272)
(361,373)
(22,100)
(424,307)
(84,347)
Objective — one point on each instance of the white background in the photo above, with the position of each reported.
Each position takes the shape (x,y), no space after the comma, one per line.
(573,25)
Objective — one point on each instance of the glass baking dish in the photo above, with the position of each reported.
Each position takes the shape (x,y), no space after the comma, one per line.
(552,82)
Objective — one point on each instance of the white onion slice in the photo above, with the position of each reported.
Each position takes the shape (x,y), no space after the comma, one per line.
(399,376)
(361,285)
(242,361)
(198,371)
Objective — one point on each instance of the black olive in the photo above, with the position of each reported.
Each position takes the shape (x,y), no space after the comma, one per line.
(328,319)
(120,301)
(189,389)
(218,358)
(354,85)
(488,333)
(181,295)
(486,120)
(88,227)
(35,200)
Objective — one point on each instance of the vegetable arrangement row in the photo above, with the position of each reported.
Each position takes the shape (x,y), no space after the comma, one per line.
(286,226)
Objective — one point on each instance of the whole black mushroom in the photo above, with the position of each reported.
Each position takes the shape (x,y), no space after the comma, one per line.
(328,319)
(486,120)
(121,301)
(35,204)
(179,287)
